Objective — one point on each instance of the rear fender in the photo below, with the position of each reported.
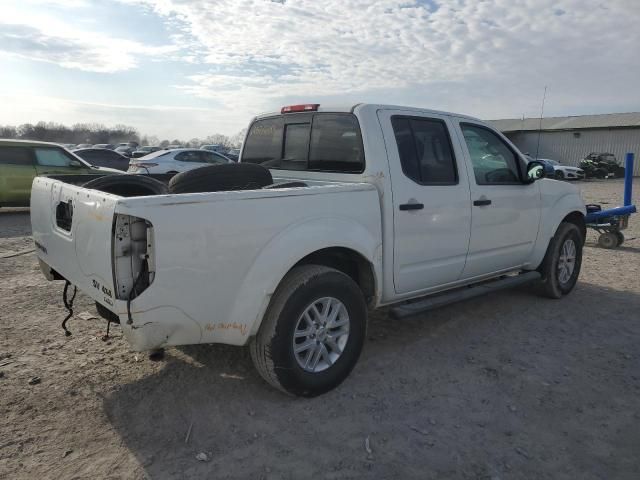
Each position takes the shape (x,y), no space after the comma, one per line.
(287,249)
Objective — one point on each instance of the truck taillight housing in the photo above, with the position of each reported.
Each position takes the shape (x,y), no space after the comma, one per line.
(305,107)
(133,256)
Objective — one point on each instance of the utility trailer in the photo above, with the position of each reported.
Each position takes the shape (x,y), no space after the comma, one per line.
(610,223)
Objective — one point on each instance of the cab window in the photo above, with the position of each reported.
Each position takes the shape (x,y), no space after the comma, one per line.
(494,163)
(425,151)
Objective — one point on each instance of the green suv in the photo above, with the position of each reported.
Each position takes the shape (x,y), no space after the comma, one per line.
(21,161)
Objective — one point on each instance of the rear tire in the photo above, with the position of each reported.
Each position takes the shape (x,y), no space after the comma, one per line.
(128,185)
(561,265)
(278,351)
(620,236)
(217,178)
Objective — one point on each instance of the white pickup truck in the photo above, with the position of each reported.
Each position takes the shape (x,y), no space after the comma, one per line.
(370,205)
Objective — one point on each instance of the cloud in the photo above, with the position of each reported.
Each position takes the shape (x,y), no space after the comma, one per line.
(39,36)
(255,53)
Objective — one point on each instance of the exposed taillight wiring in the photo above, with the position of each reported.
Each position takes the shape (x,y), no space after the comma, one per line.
(68,304)
(133,292)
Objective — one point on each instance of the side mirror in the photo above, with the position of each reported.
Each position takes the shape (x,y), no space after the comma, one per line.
(75,164)
(537,170)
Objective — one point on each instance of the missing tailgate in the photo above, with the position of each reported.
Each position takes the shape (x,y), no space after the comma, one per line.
(133,256)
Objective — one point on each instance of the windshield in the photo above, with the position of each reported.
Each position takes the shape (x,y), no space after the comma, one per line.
(327,142)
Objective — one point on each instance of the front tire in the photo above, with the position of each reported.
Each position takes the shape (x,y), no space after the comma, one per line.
(312,333)
(561,265)
(559,175)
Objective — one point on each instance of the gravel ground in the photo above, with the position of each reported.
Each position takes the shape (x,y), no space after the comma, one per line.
(505,386)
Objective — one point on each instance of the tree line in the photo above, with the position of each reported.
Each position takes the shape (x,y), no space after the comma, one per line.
(93,133)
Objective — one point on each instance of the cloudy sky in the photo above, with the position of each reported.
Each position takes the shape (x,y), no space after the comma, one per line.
(181,68)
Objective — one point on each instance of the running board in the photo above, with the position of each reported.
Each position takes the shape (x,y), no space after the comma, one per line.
(464,293)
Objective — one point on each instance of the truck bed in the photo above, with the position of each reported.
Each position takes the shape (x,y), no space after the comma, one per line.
(211,258)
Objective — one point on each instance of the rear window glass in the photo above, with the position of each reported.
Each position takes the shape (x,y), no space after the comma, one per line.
(15,156)
(326,142)
(296,145)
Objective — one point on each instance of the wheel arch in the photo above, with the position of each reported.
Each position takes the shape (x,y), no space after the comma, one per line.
(349,262)
(577,218)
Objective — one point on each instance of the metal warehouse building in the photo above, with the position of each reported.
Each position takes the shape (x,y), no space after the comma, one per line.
(569,139)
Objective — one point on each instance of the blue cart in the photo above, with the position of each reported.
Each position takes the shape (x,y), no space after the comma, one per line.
(610,223)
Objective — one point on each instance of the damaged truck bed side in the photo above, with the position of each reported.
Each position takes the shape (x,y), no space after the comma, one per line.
(383,205)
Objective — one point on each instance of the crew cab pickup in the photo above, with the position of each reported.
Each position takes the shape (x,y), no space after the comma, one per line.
(371,205)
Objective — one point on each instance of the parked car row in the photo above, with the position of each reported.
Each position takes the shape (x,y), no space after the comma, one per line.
(21,161)
(175,161)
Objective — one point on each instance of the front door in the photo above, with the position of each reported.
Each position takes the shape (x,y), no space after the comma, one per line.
(16,176)
(431,203)
(505,211)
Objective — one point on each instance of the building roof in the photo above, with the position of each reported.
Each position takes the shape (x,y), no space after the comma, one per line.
(607,120)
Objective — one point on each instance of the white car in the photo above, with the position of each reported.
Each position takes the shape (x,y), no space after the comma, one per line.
(331,212)
(564,172)
(175,161)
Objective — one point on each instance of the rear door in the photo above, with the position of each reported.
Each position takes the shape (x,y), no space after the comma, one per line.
(16,175)
(431,202)
(505,211)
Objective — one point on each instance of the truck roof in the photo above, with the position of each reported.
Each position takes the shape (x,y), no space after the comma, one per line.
(370,106)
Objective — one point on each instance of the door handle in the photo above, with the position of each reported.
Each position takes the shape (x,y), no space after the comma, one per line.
(411,206)
(481,202)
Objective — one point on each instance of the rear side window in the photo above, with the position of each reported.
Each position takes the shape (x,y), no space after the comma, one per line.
(326,142)
(191,156)
(15,156)
(425,150)
(211,157)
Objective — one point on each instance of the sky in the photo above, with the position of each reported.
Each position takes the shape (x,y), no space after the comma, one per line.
(192,68)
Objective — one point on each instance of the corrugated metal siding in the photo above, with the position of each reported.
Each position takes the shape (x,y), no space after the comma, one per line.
(607,120)
(569,150)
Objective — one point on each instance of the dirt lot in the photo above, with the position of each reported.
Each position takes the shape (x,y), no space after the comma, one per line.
(505,386)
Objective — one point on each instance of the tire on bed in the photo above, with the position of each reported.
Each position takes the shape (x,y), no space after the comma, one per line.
(218,178)
(128,185)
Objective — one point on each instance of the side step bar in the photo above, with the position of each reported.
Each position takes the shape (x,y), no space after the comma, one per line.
(464,293)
